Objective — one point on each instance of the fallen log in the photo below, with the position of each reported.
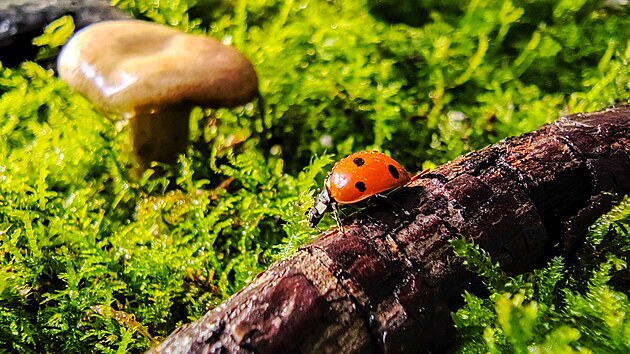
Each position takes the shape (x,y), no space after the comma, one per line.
(391,280)
(23,20)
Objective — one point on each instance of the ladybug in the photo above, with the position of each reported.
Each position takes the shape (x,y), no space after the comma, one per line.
(357,177)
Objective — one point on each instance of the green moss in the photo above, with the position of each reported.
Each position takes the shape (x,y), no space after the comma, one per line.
(559,309)
(95,261)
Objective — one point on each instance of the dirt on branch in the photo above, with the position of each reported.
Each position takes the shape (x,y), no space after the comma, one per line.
(390,281)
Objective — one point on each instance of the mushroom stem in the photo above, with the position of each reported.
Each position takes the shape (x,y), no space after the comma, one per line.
(159,134)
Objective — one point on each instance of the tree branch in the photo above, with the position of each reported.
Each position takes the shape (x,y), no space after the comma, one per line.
(390,282)
(23,20)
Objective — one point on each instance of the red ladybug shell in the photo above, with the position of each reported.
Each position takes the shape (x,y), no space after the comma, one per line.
(364,174)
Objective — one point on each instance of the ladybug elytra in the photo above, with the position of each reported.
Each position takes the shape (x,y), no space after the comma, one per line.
(357,177)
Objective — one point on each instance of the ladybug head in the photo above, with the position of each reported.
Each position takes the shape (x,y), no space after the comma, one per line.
(323,203)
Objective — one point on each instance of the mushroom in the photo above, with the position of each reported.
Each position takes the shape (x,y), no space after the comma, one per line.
(153,75)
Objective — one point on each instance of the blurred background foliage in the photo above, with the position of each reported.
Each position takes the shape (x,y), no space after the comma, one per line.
(92,260)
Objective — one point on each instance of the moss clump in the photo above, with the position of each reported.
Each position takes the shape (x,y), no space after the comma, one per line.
(559,309)
(95,261)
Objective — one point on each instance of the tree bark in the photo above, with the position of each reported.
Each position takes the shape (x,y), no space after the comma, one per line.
(390,281)
(23,20)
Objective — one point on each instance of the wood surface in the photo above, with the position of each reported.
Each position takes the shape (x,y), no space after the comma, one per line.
(23,20)
(389,282)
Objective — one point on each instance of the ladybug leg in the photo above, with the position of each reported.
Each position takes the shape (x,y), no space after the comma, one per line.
(419,175)
(392,204)
(335,211)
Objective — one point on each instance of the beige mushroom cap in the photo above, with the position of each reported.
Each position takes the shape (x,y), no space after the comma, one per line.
(121,66)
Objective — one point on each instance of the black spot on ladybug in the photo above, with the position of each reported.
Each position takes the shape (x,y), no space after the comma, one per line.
(359,161)
(392,169)
(360,186)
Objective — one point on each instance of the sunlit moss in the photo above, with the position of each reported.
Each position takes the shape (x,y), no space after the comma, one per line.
(93,260)
(557,309)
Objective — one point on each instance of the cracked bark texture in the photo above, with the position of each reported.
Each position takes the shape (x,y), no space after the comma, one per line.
(389,283)
(23,20)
